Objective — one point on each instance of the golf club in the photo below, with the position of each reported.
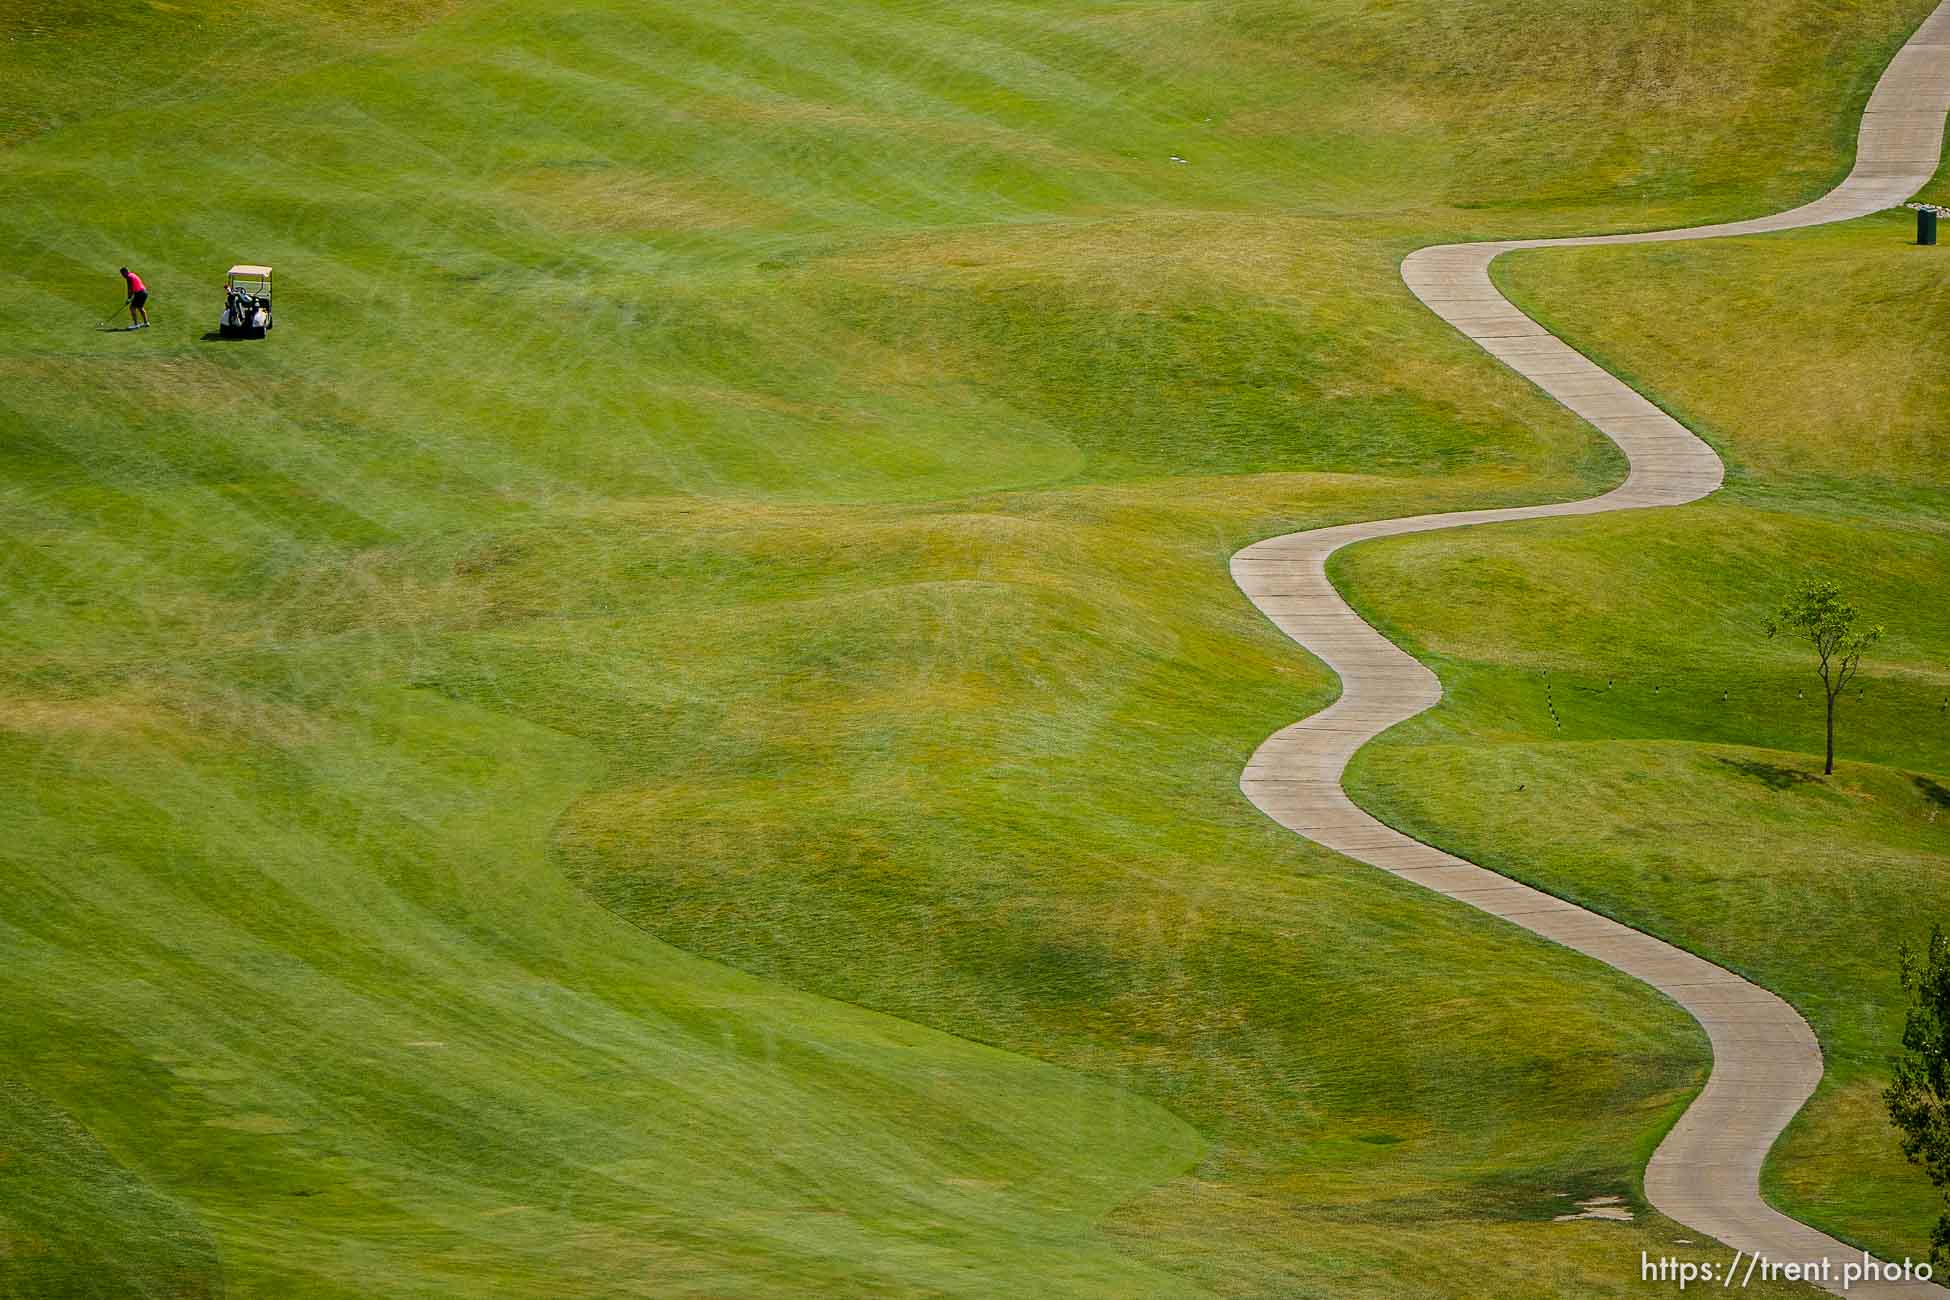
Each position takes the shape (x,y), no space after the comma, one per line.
(111,322)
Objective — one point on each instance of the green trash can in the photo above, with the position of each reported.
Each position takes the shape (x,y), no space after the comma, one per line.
(1926,226)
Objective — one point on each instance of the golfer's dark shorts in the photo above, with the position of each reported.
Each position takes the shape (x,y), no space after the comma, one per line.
(140,298)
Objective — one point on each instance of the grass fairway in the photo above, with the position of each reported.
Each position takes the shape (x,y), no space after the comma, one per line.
(675,729)
(1688,763)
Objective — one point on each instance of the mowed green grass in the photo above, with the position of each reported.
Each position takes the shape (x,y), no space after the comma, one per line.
(1683,792)
(675,729)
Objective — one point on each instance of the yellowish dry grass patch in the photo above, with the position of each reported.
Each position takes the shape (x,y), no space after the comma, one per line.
(611,200)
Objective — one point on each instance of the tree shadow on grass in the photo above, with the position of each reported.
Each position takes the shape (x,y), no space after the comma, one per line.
(1771,775)
(1932,792)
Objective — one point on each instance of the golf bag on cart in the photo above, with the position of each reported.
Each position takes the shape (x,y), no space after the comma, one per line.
(245,315)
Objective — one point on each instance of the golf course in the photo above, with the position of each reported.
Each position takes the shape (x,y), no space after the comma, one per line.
(676,729)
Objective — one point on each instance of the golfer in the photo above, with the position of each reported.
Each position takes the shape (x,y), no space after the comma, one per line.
(138,300)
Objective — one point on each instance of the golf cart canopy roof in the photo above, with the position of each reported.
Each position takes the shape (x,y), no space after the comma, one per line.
(259,272)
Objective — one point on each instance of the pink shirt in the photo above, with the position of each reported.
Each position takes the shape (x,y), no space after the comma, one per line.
(135,283)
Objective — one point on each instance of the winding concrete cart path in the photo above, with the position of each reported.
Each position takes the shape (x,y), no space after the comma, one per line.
(1706,1174)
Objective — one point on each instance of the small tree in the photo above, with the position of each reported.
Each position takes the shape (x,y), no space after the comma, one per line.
(1919,1099)
(1816,611)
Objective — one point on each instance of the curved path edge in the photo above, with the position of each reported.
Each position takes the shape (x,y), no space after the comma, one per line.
(1706,1174)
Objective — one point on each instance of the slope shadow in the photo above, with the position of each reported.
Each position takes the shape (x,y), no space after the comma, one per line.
(1933,792)
(1772,775)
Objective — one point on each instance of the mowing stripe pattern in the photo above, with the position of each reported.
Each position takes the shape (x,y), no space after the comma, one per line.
(1706,1174)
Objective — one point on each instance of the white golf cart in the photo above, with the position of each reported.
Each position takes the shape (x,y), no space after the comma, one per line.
(246,303)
